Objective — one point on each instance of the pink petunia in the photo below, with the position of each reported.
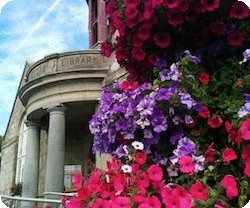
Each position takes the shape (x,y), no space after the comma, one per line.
(139,199)
(78,179)
(247,169)
(235,38)
(228,181)
(239,10)
(74,203)
(245,129)
(210,5)
(121,202)
(140,158)
(171,3)
(151,202)
(155,173)
(228,155)
(84,192)
(172,202)
(187,164)
(101,203)
(199,191)
(232,192)
(245,155)
(143,180)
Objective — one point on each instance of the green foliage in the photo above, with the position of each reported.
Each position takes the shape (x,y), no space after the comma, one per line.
(16,189)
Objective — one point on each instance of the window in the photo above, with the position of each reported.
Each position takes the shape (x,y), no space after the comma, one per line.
(21,153)
(94,22)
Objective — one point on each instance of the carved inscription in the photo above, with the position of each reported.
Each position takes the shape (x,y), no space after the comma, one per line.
(80,61)
(68,63)
(42,69)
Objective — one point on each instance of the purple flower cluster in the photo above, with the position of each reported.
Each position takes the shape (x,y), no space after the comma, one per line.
(124,116)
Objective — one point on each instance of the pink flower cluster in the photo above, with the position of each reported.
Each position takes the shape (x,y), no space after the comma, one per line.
(142,187)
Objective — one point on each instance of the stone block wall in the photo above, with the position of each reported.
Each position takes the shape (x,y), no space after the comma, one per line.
(10,147)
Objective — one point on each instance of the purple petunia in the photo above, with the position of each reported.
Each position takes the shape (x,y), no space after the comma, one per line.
(159,121)
(194,59)
(146,106)
(186,147)
(161,63)
(163,94)
(246,55)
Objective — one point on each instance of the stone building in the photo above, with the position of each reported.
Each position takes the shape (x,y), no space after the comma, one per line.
(47,133)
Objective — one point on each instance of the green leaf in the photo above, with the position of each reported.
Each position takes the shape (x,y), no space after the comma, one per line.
(242,200)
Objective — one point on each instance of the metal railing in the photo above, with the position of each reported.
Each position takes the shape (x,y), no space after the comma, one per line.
(15,201)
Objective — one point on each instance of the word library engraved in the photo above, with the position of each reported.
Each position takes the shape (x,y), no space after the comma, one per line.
(80,61)
(68,63)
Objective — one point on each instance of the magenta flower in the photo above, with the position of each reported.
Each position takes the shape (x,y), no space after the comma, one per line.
(155,173)
(245,129)
(121,202)
(101,203)
(187,164)
(78,179)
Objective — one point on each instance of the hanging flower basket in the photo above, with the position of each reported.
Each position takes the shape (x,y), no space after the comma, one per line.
(178,128)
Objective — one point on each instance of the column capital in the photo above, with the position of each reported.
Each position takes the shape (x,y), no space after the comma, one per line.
(56,109)
(32,123)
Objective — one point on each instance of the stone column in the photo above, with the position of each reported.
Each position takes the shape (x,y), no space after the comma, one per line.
(31,166)
(54,181)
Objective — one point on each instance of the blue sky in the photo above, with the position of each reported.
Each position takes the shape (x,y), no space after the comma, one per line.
(31,29)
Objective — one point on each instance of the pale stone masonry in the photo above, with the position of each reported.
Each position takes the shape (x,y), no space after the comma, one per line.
(56,98)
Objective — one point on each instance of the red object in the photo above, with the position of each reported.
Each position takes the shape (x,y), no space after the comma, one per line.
(210,154)
(210,5)
(187,164)
(140,158)
(138,53)
(247,169)
(155,173)
(205,112)
(235,137)
(228,155)
(236,38)
(228,126)
(215,121)
(106,49)
(218,27)
(245,154)
(204,78)
(239,10)
(162,40)
(126,85)
(199,191)
(245,129)
(175,17)
(171,3)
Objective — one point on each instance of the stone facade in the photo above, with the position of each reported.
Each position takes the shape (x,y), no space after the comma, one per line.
(56,98)
(73,80)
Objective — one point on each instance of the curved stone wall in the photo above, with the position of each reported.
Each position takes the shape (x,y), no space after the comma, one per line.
(61,78)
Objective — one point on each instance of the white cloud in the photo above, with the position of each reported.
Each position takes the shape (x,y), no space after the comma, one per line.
(2,3)
(57,32)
